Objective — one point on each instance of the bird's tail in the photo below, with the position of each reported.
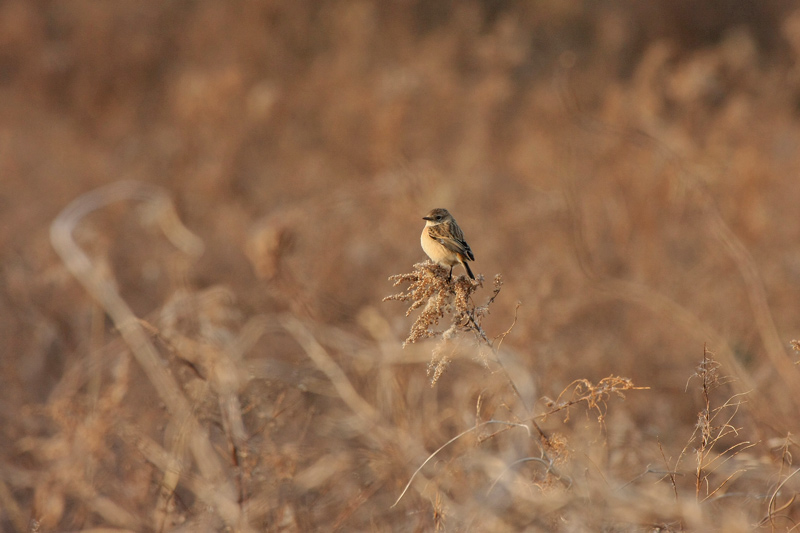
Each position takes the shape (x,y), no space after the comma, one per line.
(469,272)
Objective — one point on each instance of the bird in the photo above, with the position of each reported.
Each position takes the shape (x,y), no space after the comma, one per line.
(444,242)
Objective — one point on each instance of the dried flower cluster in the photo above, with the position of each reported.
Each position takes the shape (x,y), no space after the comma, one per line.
(595,396)
(432,289)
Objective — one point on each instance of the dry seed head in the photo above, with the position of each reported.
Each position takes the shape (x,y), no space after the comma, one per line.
(430,286)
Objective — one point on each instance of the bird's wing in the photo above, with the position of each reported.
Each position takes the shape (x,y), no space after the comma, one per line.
(451,238)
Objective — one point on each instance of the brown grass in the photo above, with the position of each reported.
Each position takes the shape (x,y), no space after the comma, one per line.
(201,203)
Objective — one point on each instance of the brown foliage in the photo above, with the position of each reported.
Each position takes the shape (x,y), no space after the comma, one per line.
(202,346)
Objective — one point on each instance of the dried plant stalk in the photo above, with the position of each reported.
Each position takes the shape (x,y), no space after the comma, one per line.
(103,290)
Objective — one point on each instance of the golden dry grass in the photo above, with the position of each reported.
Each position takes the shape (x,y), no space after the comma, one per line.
(201,205)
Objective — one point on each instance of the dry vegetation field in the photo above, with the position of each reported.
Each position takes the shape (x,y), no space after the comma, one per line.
(201,204)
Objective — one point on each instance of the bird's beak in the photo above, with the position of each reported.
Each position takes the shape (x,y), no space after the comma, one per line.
(427,218)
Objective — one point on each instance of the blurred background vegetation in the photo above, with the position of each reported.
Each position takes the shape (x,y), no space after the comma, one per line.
(629,168)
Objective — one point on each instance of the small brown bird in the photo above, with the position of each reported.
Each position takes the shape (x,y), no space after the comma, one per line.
(444,242)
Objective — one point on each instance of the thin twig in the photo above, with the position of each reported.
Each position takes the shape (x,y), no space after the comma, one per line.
(448,443)
(547,464)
